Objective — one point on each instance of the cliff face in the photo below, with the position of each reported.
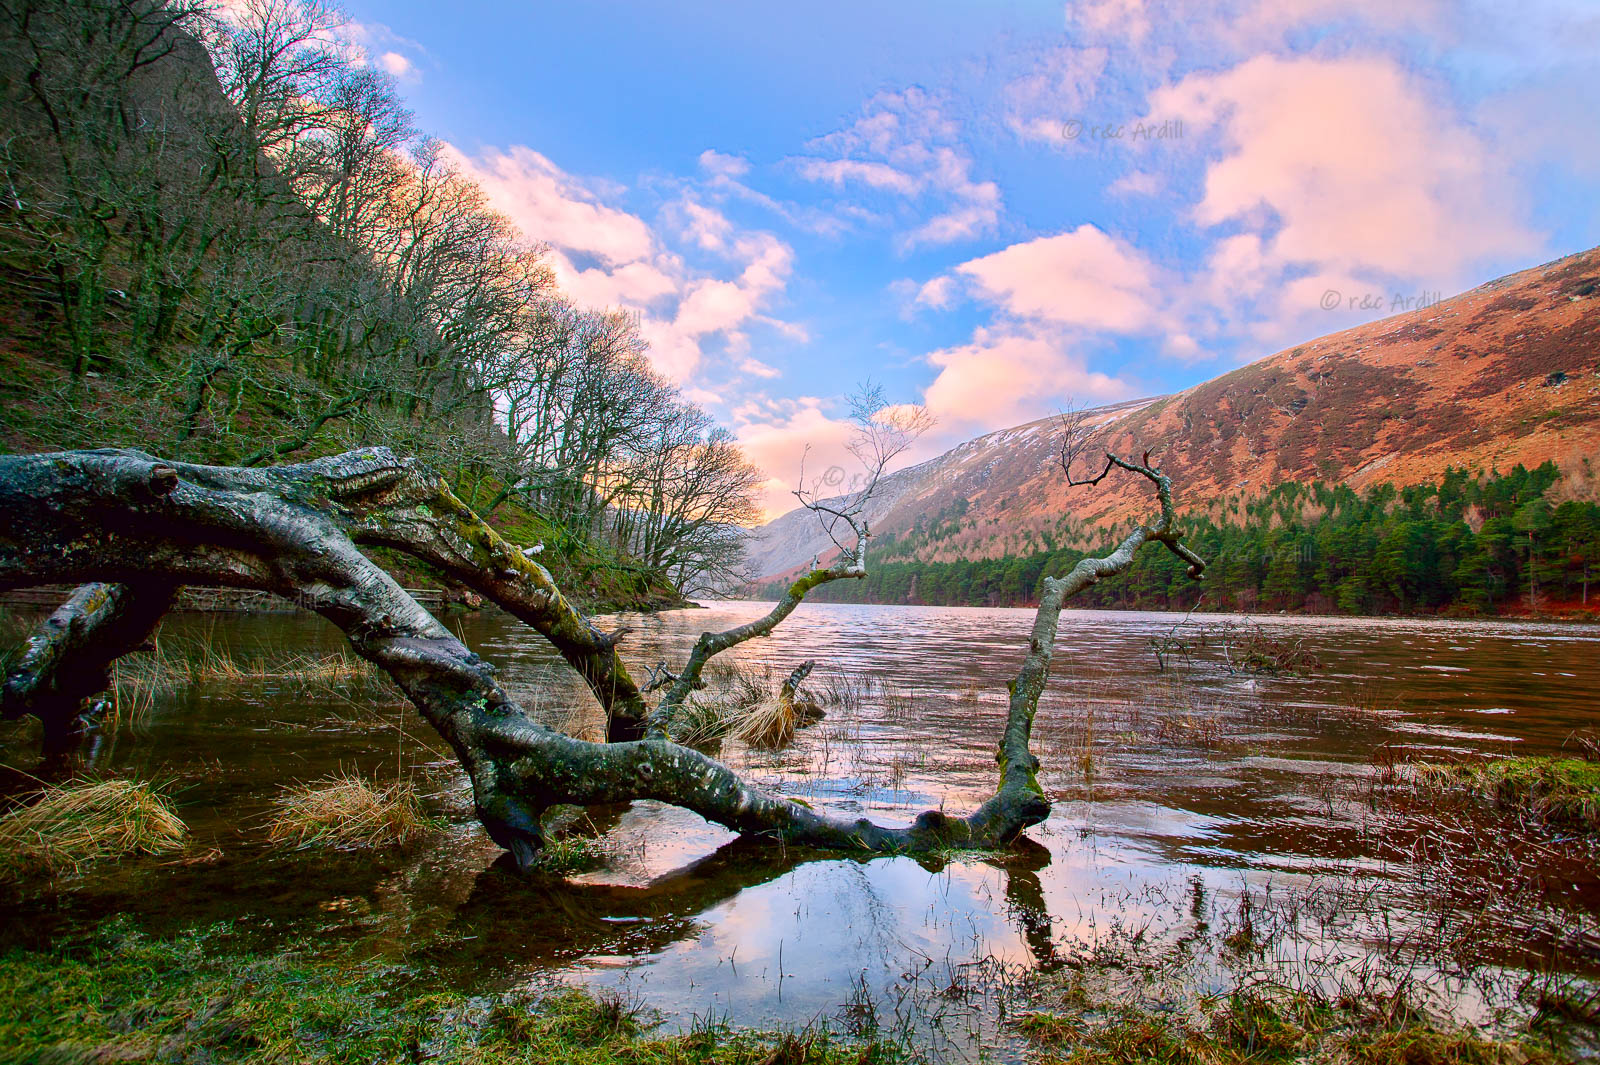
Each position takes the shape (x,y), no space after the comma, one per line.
(1506,373)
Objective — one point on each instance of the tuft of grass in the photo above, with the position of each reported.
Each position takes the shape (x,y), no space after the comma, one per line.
(569,855)
(569,1016)
(736,693)
(347,812)
(64,828)
(769,723)
(1564,791)
(699,722)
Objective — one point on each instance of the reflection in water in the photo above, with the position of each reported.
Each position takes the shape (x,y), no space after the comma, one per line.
(1172,792)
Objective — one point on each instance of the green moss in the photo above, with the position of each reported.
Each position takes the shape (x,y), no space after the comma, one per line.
(1562,790)
(203,997)
(1258,1027)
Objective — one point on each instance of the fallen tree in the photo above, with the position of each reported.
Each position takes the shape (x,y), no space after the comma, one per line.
(136,528)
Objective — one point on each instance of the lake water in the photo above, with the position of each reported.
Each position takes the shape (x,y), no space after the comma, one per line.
(1177,794)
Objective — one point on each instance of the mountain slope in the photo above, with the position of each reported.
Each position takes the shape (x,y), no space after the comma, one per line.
(1506,373)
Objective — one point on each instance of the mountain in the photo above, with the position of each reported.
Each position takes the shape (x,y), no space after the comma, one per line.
(1506,373)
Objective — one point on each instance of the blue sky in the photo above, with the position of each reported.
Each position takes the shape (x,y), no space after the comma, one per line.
(997,208)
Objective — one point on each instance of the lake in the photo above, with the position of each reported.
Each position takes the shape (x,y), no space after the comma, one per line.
(1186,797)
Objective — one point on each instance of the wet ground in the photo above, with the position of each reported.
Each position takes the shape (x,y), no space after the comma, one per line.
(1177,793)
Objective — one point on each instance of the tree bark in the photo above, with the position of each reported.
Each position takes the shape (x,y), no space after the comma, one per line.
(69,658)
(130,518)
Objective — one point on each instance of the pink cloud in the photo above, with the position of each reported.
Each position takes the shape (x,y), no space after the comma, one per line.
(777,435)
(550,205)
(1083,277)
(604,256)
(1005,377)
(1350,164)
(938,293)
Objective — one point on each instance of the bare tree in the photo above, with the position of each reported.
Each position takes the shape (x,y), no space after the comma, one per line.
(150,525)
(247,253)
(883,432)
(689,490)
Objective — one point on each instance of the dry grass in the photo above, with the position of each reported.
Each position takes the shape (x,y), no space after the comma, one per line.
(68,827)
(347,812)
(733,693)
(209,664)
(769,723)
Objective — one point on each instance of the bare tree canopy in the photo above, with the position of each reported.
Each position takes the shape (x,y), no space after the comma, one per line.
(147,526)
(239,249)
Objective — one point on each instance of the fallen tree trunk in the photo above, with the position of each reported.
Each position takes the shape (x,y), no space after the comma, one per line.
(130,518)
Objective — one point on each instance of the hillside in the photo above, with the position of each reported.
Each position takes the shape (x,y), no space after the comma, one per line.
(1505,374)
(227,242)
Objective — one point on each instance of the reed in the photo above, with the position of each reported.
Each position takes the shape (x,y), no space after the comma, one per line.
(139,680)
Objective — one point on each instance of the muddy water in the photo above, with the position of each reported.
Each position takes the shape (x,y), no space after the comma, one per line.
(1175,791)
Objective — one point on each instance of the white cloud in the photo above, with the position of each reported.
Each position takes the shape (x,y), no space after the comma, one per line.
(1009,375)
(904,146)
(757,368)
(396,64)
(1138,183)
(1061,84)
(1082,278)
(720,165)
(1124,18)
(606,256)
(838,172)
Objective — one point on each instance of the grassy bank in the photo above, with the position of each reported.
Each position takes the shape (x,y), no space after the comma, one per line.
(1564,791)
(206,995)
(203,996)
(1262,1026)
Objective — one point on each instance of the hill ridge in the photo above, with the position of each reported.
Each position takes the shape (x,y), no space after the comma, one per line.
(1507,372)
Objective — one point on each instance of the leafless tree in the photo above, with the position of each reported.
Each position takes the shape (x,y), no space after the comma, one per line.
(251,254)
(149,526)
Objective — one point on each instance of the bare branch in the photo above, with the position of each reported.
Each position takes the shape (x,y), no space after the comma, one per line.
(882,434)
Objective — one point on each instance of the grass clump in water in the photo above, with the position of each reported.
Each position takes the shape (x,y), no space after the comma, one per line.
(65,828)
(124,996)
(1563,791)
(570,855)
(347,812)
(709,717)
(746,706)
(769,723)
